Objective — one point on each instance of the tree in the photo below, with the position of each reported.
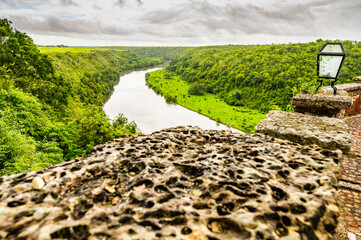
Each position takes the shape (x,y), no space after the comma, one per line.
(196,89)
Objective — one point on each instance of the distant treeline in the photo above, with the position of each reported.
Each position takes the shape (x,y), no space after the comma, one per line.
(261,76)
(51,104)
(167,53)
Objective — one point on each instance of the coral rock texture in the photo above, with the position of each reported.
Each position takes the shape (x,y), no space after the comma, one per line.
(179,183)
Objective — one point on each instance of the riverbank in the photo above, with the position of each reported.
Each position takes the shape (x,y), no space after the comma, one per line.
(139,103)
(173,89)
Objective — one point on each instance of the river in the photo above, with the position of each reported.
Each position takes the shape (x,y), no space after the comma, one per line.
(150,111)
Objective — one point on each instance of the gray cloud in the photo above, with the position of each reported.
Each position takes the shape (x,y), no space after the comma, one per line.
(68,2)
(189,20)
(20,3)
(120,3)
(56,25)
(246,18)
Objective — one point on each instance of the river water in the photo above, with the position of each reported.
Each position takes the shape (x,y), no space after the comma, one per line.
(150,111)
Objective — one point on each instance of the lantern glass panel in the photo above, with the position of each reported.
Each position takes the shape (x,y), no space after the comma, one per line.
(329,66)
(332,48)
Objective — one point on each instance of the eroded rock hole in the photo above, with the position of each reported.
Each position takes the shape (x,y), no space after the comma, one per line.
(149,204)
(286,221)
(281,230)
(186,231)
(16,203)
(259,160)
(39,198)
(250,208)
(309,187)
(278,193)
(161,188)
(160,213)
(100,218)
(189,170)
(224,225)
(225,208)
(283,173)
(279,208)
(149,225)
(126,220)
(297,208)
(201,205)
(294,165)
(28,213)
(81,209)
(168,197)
(171,181)
(147,183)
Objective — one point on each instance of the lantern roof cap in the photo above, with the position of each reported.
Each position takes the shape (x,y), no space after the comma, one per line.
(332,49)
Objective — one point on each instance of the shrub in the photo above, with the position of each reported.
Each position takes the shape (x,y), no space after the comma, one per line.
(196,89)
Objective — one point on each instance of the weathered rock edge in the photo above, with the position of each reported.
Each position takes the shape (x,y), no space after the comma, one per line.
(180,183)
(325,100)
(328,133)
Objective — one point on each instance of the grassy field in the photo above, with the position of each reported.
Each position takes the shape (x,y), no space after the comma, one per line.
(175,90)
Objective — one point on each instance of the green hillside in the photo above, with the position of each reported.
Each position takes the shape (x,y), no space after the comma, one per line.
(51,100)
(167,53)
(263,77)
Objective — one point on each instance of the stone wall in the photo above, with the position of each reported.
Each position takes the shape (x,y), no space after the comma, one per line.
(354,91)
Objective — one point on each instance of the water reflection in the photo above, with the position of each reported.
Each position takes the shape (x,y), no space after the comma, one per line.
(150,111)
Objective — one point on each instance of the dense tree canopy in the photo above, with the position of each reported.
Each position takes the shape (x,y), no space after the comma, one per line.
(263,77)
(51,104)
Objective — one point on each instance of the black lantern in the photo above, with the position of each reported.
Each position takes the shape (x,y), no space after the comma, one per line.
(329,63)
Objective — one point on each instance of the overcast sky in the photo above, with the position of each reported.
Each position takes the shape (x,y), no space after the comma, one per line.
(183,22)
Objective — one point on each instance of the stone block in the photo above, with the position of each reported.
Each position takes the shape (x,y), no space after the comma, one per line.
(354,91)
(328,133)
(323,104)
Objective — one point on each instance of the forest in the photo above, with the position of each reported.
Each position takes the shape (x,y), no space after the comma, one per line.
(263,77)
(51,100)
(167,53)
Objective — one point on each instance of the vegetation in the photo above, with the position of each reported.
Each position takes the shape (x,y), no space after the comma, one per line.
(51,104)
(262,77)
(167,53)
(177,91)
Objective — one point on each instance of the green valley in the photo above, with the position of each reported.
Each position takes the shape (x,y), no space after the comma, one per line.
(175,90)
(51,100)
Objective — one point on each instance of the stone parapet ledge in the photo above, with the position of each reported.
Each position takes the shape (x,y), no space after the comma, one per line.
(354,91)
(323,104)
(328,133)
(343,87)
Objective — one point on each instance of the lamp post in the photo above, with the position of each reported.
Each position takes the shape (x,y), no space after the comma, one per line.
(329,62)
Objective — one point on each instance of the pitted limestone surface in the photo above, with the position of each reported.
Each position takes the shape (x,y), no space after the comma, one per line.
(180,183)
